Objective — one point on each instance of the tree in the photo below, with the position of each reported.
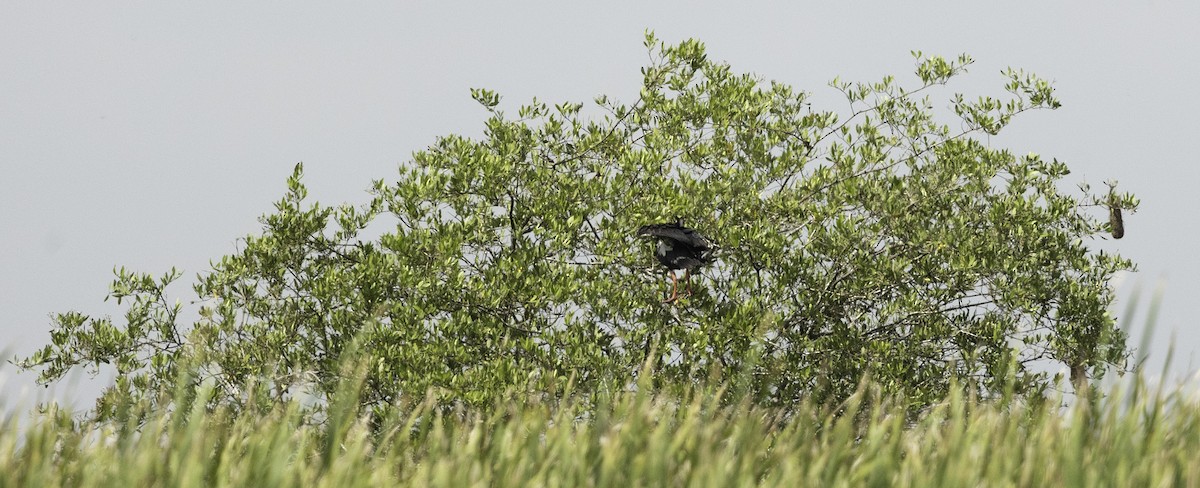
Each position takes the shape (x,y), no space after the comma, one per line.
(880,241)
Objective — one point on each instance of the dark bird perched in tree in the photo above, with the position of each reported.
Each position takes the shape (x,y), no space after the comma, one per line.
(1115,222)
(679,248)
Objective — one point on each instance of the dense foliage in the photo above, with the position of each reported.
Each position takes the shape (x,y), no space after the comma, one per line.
(880,241)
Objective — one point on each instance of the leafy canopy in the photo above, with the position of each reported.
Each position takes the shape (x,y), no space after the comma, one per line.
(881,241)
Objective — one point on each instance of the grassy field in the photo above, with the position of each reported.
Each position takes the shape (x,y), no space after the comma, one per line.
(1136,437)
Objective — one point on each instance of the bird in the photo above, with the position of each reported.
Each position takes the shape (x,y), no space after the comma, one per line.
(1115,222)
(679,248)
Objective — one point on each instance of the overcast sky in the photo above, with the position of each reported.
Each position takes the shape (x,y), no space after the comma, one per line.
(154,135)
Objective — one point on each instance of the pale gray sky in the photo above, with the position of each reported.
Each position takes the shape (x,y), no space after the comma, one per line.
(153,135)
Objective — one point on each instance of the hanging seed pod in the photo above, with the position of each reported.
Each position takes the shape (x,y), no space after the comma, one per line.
(1115,222)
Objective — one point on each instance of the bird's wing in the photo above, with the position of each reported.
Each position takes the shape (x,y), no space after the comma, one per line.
(696,240)
(682,235)
(665,231)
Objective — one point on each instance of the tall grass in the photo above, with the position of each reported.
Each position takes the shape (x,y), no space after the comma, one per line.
(1134,438)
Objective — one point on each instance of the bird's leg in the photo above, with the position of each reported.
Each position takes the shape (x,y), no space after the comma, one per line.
(674,287)
(687,275)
